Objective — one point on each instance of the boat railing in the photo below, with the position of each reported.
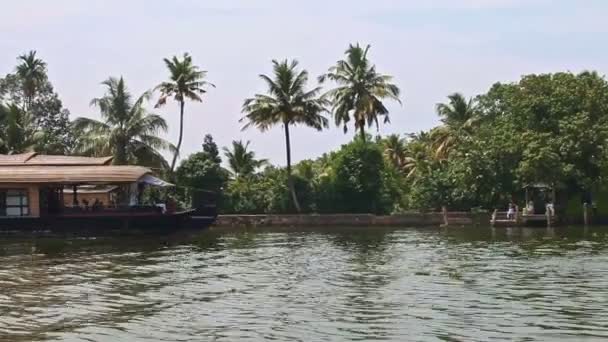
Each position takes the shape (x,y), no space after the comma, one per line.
(99,209)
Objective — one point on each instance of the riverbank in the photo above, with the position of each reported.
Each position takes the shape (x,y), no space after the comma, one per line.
(417,219)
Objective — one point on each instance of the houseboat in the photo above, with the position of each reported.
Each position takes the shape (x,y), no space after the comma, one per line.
(47,193)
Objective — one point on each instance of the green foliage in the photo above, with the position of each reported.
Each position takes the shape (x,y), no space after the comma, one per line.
(203,170)
(354,179)
(267,192)
(31,97)
(186,82)
(550,128)
(358,180)
(128,131)
(19,132)
(360,90)
(286,103)
(242,161)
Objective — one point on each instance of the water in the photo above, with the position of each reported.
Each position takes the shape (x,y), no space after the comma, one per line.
(310,285)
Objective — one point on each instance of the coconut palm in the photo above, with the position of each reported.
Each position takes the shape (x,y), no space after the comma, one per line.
(418,157)
(286,103)
(18,131)
(128,131)
(32,72)
(394,150)
(242,162)
(459,117)
(360,90)
(186,82)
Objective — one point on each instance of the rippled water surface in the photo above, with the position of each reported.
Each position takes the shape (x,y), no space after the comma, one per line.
(470,284)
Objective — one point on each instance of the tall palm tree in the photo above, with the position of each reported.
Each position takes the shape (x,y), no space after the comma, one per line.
(186,82)
(242,162)
(459,117)
(360,90)
(32,71)
(128,131)
(286,103)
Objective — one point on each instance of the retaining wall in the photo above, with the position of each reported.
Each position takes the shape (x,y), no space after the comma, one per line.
(352,220)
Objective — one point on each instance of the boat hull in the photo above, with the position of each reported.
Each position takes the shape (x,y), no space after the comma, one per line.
(105,224)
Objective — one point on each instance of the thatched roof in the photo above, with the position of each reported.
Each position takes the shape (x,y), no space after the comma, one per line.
(106,174)
(33,158)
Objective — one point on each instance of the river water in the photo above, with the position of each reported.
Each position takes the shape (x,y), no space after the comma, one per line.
(461,284)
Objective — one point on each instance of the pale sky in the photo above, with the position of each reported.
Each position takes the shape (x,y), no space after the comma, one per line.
(432,48)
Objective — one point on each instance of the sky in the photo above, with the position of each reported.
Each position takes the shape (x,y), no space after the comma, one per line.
(432,48)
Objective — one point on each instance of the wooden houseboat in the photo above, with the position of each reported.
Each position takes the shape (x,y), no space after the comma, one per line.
(41,193)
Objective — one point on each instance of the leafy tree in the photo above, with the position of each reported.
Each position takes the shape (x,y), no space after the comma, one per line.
(287,103)
(358,171)
(128,131)
(30,90)
(242,162)
(210,148)
(199,171)
(186,82)
(54,121)
(32,72)
(360,90)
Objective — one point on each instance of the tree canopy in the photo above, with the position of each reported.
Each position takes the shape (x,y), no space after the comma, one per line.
(128,131)
(360,90)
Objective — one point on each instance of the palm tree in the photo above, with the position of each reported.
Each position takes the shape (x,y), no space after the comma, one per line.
(394,150)
(286,103)
(459,117)
(360,90)
(418,155)
(19,132)
(186,82)
(32,72)
(242,162)
(128,131)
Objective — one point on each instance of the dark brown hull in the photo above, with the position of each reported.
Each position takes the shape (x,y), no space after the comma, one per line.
(103,224)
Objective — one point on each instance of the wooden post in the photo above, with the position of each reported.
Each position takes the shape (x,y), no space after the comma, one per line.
(586,214)
(444,210)
(493,220)
(75,195)
(548,214)
(516,214)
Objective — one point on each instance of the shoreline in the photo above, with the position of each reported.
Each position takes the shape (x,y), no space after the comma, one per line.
(350,220)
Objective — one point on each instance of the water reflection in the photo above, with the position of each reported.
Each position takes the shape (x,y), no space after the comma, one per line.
(309,284)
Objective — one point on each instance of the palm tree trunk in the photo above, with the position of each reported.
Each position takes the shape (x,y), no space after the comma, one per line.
(292,189)
(362,131)
(181,135)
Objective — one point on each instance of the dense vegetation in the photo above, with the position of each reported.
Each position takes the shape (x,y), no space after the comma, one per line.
(550,128)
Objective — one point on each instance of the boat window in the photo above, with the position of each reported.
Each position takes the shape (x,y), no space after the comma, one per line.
(14,203)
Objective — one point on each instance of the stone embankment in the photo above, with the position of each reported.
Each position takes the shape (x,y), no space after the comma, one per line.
(414,219)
